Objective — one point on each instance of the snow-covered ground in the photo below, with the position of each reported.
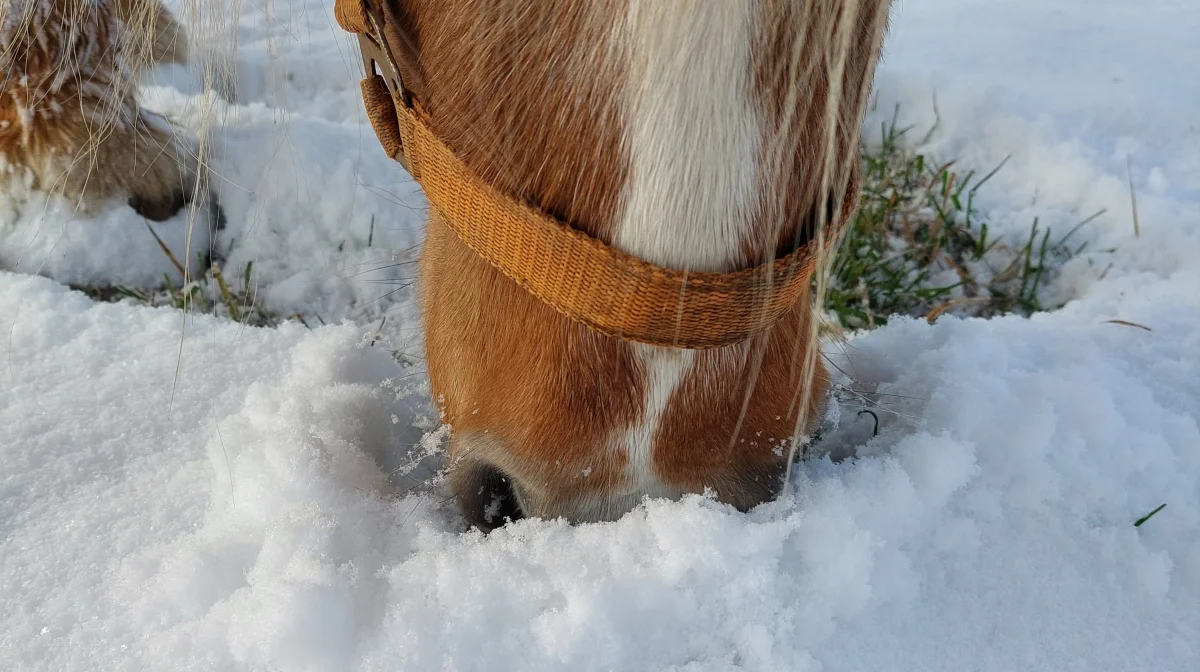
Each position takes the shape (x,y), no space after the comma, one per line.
(192,494)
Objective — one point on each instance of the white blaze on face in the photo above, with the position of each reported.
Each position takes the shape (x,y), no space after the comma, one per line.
(693,136)
(691,132)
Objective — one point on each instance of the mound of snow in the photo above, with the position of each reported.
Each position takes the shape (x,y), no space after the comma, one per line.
(248,524)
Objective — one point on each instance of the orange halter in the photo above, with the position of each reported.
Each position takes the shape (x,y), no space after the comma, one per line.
(579,276)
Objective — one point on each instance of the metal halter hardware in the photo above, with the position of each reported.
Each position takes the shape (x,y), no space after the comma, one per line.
(378,61)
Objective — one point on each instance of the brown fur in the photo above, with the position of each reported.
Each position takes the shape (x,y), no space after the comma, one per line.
(697,445)
(526,93)
(560,393)
(70,122)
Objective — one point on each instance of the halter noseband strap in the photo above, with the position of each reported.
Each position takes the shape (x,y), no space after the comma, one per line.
(581,277)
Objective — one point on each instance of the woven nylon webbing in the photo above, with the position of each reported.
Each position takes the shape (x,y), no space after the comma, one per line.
(579,276)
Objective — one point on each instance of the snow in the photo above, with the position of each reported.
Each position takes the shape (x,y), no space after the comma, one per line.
(187,493)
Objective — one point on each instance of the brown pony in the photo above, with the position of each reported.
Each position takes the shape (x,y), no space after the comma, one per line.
(707,136)
(70,122)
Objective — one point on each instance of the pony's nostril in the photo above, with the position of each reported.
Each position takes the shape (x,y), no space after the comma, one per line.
(488,497)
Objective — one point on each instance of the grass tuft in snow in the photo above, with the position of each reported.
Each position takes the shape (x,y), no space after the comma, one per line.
(209,294)
(233,298)
(918,246)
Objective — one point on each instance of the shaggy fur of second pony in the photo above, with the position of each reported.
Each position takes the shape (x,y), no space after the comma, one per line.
(70,120)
